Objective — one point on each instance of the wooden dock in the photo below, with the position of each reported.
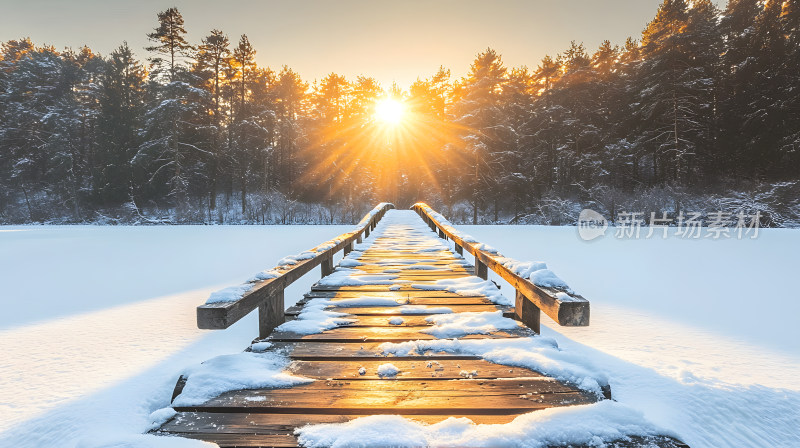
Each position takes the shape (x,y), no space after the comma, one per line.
(344,361)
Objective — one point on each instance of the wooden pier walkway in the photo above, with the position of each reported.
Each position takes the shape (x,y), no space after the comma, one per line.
(402,254)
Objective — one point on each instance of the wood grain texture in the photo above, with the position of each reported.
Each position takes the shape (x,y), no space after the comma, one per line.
(567,311)
(429,387)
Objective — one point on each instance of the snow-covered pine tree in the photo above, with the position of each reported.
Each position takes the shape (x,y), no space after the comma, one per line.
(213,60)
(122,97)
(675,91)
(170,161)
(245,127)
(478,110)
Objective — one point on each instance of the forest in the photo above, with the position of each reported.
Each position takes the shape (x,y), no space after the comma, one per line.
(700,112)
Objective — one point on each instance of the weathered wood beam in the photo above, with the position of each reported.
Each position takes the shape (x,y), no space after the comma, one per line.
(270,314)
(564,308)
(327,266)
(527,313)
(480,270)
(218,316)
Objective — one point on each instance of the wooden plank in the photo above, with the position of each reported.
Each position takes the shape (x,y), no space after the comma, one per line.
(386,334)
(259,430)
(403,288)
(416,321)
(469,396)
(419,293)
(446,369)
(403,299)
(277,423)
(384,321)
(320,350)
(396,311)
(286,440)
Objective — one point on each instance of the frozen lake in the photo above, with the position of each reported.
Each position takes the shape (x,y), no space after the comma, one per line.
(691,332)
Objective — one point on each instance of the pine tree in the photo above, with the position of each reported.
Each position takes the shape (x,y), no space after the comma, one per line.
(170,42)
(790,144)
(244,66)
(479,111)
(121,106)
(291,97)
(676,89)
(212,62)
(736,74)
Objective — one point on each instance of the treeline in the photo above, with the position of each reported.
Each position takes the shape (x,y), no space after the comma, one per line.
(704,104)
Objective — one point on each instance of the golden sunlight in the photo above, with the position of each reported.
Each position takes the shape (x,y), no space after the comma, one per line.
(389,111)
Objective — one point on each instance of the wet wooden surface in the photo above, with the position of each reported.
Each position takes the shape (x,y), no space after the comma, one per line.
(344,361)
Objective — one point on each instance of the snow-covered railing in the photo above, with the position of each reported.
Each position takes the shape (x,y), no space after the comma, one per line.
(265,290)
(537,287)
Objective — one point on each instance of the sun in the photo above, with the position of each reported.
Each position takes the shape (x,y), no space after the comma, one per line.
(389,111)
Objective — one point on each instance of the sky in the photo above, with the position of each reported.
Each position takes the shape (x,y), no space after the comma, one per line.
(395,41)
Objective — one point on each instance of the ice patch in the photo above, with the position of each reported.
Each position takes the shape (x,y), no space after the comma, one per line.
(264,275)
(536,353)
(589,425)
(396,321)
(229,294)
(457,325)
(355,277)
(387,370)
(313,318)
(522,268)
(246,370)
(364,301)
(545,277)
(160,416)
(350,263)
(468,286)
(294,259)
(260,346)
(423,309)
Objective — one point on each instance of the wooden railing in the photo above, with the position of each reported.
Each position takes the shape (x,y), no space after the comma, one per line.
(267,295)
(563,307)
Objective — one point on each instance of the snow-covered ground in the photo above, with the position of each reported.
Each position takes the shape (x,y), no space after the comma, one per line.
(699,335)
(98,322)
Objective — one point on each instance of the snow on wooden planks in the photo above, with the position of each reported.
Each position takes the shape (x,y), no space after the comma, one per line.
(344,361)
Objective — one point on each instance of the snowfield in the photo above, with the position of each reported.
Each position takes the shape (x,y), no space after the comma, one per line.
(698,337)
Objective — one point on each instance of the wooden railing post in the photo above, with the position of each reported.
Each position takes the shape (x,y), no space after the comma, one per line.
(532,299)
(481,270)
(267,295)
(270,314)
(526,312)
(327,266)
